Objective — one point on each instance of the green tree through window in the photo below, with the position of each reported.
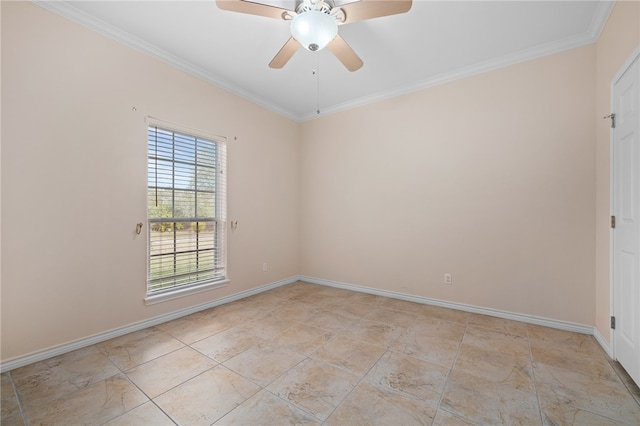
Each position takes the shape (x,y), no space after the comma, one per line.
(185,209)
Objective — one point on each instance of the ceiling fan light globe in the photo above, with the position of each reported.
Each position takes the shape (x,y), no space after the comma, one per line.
(314,29)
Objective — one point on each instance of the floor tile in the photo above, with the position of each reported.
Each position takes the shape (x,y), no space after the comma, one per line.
(444,314)
(349,308)
(374,333)
(222,309)
(596,366)
(56,377)
(365,298)
(496,340)
(270,326)
(229,343)
(303,339)
(295,311)
(266,409)
(263,303)
(565,394)
(323,299)
(301,291)
(262,364)
(503,367)
(579,344)
(13,420)
(388,316)
(8,399)
(631,386)
(196,327)
(331,321)
(402,306)
(93,405)
(314,386)
(293,291)
(508,326)
(349,354)
(409,376)
(207,397)
(371,405)
(163,373)
(576,417)
(489,403)
(241,314)
(431,340)
(139,347)
(305,353)
(445,418)
(145,415)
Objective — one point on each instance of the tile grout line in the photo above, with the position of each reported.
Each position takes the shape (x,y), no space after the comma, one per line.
(392,347)
(617,368)
(535,381)
(356,385)
(453,365)
(338,333)
(308,357)
(152,400)
(222,364)
(278,396)
(123,372)
(149,398)
(23,413)
(608,361)
(70,393)
(635,393)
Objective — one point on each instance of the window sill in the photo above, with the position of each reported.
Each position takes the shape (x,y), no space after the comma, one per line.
(164,297)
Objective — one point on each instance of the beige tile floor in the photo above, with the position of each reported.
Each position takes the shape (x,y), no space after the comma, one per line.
(309,354)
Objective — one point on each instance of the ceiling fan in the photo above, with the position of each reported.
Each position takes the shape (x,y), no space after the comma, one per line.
(314,24)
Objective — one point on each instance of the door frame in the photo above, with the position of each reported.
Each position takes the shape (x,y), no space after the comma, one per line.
(635,55)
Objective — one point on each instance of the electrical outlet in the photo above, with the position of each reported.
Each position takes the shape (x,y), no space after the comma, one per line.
(265,267)
(447,278)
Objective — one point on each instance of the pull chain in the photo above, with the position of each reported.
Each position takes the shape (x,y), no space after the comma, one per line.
(316,72)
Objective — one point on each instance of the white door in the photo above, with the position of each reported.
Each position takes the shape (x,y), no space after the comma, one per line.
(626,209)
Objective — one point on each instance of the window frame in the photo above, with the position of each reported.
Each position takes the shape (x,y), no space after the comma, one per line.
(219,218)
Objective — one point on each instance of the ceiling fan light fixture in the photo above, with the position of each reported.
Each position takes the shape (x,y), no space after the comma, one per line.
(314,29)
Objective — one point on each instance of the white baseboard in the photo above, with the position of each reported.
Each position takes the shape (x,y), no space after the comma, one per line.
(529,319)
(603,342)
(101,337)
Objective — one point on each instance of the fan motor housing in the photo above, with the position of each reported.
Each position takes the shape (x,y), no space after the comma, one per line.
(320,6)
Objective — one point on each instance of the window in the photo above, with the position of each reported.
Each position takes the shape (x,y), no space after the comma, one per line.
(185,212)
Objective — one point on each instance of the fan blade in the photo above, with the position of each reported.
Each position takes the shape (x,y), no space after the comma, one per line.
(254,8)
(363,9)
(285,53)
(345,54)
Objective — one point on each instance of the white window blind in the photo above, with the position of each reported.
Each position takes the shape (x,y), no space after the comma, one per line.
(186,211)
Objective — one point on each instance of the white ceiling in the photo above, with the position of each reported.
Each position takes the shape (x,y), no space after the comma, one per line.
(435,42)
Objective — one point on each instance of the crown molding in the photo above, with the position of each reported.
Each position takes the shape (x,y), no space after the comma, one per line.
(603,10)
(66,10)
(590,36)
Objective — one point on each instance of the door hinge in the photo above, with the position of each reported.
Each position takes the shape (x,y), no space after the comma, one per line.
(613,323)
(612,116)
(613,221)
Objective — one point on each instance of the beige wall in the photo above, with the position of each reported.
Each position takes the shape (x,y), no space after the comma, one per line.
(501,179)
(74,180)
(618,39)
(490,178)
